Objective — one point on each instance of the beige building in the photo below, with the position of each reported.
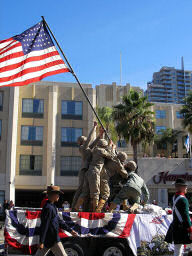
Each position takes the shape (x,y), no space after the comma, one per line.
(109,95)
(39,125)
(166,114)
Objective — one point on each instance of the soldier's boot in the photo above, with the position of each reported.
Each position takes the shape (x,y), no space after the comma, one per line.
(134,207)
(100,205)
(125,206)
(94,203)
(112,207)
(79,203)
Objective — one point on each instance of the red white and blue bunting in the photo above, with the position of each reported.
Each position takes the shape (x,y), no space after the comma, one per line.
(22,227)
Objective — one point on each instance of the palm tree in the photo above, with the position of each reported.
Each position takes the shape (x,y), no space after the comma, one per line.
(105,114)
(134,120)
(186,111)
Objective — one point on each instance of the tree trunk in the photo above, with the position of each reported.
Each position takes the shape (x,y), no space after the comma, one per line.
(169,149)
(135,152)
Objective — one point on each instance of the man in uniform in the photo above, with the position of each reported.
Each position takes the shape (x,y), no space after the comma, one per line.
(85,147)
(180,231)
(111,167)
(92,181)
(131,190)
(50,224)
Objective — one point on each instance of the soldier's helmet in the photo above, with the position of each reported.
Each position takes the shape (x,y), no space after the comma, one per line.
(102,143)
(81,140)
(131,166)
(122,156)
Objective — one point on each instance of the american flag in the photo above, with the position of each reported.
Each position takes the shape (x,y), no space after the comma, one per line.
(187,143)
(29,57)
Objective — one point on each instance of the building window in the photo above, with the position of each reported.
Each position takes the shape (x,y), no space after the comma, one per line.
(32,135)
(159,129)
(30,165)
(179,115)
(70,165)
(69,136)
(71,109)
(161,146)
(122,144)
(1,101)
(32,108)
(160,114)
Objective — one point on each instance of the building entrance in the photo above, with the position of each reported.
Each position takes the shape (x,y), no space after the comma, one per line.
(33,198)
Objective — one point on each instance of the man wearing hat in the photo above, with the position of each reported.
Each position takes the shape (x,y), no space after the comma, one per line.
(50,224)
(131,190)
(180,231)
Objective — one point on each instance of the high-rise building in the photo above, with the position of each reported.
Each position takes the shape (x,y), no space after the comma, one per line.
(169,85)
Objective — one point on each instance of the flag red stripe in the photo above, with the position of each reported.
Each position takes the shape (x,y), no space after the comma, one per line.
(32,215)
(7,46)
(6,40)
(91,216)
(30,70)
(36,79)
(128,226)
(10,48)
(27,249)
(11,56)
(62,234)
(30,59)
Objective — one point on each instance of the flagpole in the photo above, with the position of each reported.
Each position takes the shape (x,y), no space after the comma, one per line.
(75,76)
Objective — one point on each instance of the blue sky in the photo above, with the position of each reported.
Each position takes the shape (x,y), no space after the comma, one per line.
(149,34)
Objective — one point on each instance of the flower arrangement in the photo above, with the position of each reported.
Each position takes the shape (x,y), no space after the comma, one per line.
(157,246)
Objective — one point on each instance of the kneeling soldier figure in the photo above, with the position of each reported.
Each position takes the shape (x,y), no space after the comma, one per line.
(131,190)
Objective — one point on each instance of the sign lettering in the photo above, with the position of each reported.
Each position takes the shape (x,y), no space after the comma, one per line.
(164,177)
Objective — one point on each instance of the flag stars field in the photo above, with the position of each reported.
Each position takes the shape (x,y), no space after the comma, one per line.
(29,57)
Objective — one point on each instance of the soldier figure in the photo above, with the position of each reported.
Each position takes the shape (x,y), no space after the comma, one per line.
(92,181)
(111,167)
(85,147)
(131,190)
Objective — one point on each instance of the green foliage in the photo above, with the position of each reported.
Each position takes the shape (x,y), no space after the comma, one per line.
(105,114)
(187,112)
(157,246)
(134,119)
(168,136)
